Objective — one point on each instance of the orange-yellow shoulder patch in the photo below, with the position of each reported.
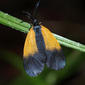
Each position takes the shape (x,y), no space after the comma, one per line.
(30,44)
(50,41)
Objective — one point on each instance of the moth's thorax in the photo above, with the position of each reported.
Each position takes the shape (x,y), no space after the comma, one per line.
(37,28)
(39,39)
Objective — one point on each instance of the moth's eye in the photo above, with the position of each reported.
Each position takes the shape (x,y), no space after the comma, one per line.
(35,20)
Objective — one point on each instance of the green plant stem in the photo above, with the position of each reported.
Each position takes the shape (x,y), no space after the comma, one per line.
(22,26)
(69,43)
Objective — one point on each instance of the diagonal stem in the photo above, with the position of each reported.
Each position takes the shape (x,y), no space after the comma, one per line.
(22,26)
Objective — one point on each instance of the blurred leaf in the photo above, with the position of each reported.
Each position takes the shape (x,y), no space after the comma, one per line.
(48,77)
(23,78)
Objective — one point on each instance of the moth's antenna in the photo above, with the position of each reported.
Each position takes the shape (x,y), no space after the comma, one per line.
(36,8)
(29,15)
(33,16)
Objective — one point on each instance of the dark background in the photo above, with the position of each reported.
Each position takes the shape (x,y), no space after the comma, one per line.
(66,18)
(63,17)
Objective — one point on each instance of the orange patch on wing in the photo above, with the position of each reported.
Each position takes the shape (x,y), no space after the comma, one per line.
(30,46)
(50,41)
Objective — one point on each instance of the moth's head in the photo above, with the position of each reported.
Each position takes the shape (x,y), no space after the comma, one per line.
(35,22)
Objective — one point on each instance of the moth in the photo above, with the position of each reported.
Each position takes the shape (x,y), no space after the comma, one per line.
(41,48)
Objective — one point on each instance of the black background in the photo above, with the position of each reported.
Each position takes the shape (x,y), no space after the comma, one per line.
(63,17)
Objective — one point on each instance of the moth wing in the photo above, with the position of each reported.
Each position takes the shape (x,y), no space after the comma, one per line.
(55,57)
(32,58)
